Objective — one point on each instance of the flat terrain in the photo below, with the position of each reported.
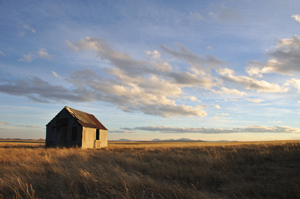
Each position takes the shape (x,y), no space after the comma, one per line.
(151,170)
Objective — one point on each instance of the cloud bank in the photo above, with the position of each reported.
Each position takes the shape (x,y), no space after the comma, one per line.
(203,130)
(153,85)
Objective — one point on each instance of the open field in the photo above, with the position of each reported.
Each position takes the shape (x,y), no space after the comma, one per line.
(152,170)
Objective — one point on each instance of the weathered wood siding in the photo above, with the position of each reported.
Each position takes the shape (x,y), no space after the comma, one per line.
(103,138)
(89,138)
(59,131)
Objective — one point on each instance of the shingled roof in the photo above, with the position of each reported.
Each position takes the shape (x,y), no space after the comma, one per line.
(86,119)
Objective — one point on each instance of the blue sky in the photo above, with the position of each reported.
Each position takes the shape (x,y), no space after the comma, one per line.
(210,70)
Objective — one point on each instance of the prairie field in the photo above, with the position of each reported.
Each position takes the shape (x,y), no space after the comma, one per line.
(151,170)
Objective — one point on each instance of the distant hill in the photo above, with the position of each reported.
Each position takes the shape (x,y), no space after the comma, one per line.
(124,140)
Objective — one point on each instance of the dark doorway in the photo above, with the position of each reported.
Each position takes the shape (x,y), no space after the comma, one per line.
(63,136)
(97,134)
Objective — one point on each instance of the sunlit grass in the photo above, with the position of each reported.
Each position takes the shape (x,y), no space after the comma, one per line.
(152,170)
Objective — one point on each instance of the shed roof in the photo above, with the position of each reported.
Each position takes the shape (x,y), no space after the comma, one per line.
(86,119)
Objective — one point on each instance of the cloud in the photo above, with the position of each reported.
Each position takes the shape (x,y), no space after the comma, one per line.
(253,84)
(56,75)
(122,61)
(203,130)
(27,58)
(2,53)
(125,65)
(284,59)
(154,55)
(42,53)
(201,63)
(188,79)
(27,27)
(296,17)
(41,91)
(275,122)
(225,71)
(192,98)
(196,16)
(122,131)
(295,83)
(217,107)
(139,85)
(226,91)
(27,126)
(155,96)
(254,100)
(225,14)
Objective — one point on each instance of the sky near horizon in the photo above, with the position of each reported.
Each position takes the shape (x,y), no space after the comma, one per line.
(209,70)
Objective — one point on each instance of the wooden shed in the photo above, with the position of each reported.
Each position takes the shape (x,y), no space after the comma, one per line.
(70,128)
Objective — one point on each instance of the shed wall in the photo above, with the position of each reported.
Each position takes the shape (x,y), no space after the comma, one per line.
(103,138)
(88,137)
(59,131)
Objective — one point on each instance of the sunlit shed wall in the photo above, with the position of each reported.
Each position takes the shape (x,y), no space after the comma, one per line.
(70,128)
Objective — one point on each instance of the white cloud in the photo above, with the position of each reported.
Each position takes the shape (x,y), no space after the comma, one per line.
(27,27)
(203,130)
(296,17)
(254,71)
(139,85)
(154,55)
(2,53)
(225,114)
(284,59)
(43,53)
(27,58)
(192,98)
(151,96)
(254,100)
(225,71)
(217,107)
(275,122)
(227,91)
(254,84)
(295,83)
(56,75)
(122,131)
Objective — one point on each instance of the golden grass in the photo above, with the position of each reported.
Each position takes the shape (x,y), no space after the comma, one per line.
(153,170)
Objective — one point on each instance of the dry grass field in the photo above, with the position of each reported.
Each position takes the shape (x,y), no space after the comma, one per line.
(152,170)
